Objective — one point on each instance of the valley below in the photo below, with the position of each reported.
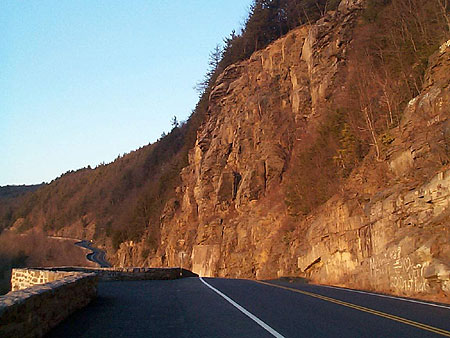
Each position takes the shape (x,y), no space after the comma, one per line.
(36,249)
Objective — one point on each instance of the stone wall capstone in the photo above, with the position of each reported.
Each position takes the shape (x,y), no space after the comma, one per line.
(33,311)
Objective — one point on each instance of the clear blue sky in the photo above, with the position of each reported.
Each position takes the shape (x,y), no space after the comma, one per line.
(84,81)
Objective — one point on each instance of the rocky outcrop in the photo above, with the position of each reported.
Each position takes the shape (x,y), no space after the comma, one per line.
(395,240)
(229,217)
(395,244)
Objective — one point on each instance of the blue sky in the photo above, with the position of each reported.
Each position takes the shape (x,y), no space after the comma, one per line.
(84,81)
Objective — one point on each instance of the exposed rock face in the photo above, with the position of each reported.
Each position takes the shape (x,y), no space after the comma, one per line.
(230,218)
(396,239)
(232,211)
(396,244)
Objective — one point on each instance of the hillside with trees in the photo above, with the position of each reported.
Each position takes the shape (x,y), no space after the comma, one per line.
(304,107)
(125,199)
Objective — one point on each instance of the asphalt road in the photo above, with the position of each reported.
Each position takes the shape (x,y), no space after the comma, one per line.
(212,307)
(97,256)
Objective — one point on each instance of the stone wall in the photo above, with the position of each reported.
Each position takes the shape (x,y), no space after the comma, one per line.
(43,297)
(33,311)
(131,273)
(25,278)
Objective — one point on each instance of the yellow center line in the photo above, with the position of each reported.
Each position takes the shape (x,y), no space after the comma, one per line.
(365,309)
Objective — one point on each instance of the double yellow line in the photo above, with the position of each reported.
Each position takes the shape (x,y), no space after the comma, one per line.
(365,309)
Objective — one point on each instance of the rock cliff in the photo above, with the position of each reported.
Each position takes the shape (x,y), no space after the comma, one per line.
(394,238)
(387,229)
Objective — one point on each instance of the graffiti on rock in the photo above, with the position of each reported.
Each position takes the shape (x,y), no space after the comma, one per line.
(404,274)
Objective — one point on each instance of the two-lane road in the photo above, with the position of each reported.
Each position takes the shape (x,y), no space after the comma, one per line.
(213,307)
(97,256)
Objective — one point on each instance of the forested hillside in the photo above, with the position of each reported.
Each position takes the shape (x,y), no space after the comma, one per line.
(123,200)
(120,198)
(316,126)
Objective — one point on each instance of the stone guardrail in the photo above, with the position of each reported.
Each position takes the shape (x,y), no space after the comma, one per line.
(25,278)
(108,274)
(43,297)
(33,311)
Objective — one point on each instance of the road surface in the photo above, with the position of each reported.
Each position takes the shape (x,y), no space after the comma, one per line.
(97,256)
(213,307)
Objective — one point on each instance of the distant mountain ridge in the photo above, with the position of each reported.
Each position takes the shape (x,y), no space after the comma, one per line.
(12,191)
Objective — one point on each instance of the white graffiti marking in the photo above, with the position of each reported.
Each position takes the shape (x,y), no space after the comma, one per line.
(403,274)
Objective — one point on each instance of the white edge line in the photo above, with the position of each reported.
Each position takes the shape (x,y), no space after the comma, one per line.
(385,296)
(244,311)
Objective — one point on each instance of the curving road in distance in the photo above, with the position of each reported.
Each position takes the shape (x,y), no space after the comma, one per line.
(97,256)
